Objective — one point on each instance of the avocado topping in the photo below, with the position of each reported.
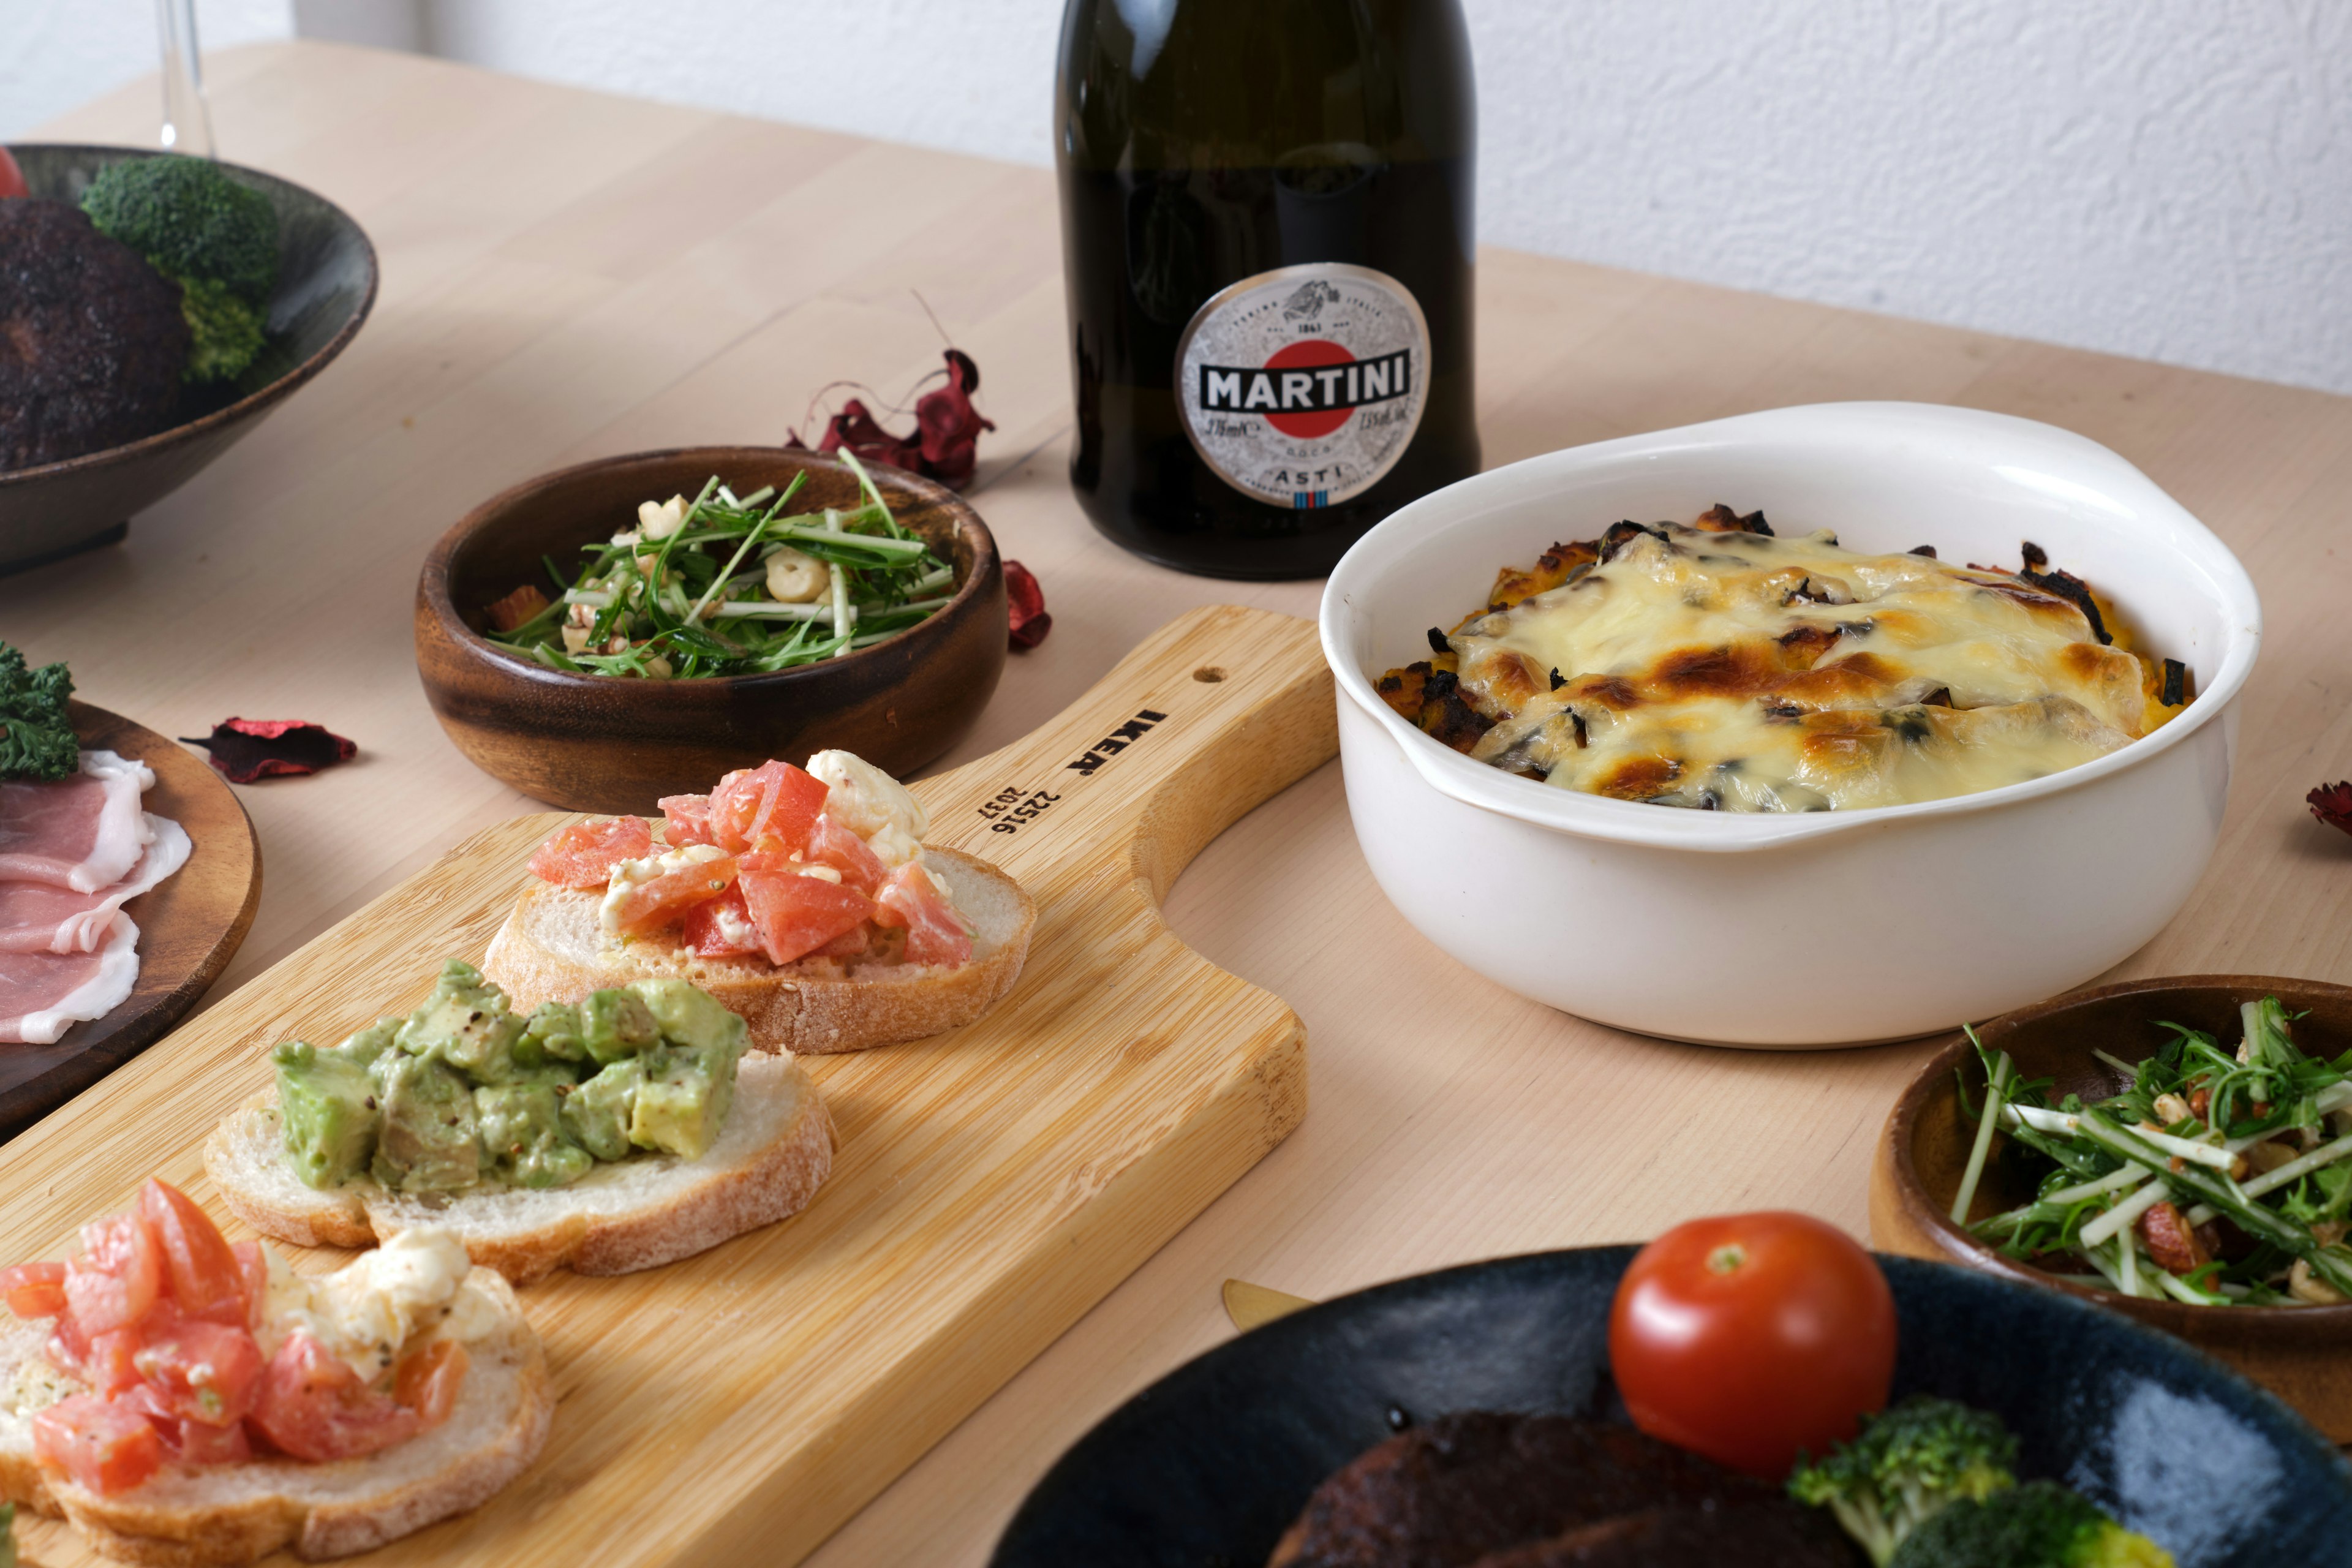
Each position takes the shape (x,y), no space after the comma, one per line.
(463,1092)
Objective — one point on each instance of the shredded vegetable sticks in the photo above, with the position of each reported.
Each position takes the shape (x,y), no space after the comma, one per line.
(728,584)
(2220,1177)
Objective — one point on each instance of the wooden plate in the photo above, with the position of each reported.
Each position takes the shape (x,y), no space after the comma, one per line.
(189,927)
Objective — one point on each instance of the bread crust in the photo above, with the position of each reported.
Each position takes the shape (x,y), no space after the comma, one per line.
(221,1516)
(774,1151)
(550,949)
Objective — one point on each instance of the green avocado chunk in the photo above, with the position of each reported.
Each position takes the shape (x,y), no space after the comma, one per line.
(681,1104)
(523,1135)
(429,1141)
(467,1023)
(597,1114)
(326,1106)
(552,1034)
(371,1042)
(615,1024)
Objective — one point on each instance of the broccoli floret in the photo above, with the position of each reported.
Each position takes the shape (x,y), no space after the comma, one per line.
(1909,1463)
(224,331)
(2038,1525)
(190,220)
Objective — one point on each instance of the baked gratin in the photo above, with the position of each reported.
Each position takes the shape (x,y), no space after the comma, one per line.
(1716,665)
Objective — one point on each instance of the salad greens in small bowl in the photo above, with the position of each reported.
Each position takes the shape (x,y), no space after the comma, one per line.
(2179,1150)
(634,627)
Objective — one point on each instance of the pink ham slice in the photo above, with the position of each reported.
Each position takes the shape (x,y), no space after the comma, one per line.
(84,833)
(37,918)
(43,994)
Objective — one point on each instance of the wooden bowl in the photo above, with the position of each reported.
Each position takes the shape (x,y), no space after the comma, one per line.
(617,743)
(326,284)
(2302,1355)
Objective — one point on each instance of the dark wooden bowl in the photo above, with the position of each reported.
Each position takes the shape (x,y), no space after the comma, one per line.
(326,285)
(2302,1355)
(617,743)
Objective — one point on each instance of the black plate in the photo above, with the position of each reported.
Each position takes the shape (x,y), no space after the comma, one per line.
(1207,1466)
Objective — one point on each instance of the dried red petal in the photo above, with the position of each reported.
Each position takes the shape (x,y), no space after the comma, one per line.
(1027,601)
(2332,804)
(248,750)
(945,442)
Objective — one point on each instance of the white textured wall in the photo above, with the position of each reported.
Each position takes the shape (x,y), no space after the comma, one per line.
(55,54)
(2168,178)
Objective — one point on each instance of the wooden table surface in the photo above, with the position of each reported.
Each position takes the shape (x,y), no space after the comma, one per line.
(568,275)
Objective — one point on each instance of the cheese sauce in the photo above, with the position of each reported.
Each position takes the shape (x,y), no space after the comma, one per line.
(1737,671)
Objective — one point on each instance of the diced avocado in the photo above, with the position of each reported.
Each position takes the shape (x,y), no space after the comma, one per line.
(326,1105)
(523,1135)
(429,1140)
(552,1034)
(682,1104)
(467,1023)
(371,1042)
(689,1016)
(615,1024)
(597,1114)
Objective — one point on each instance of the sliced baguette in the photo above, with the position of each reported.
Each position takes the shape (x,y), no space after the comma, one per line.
(552,949)
(774,1151)
(214,1516)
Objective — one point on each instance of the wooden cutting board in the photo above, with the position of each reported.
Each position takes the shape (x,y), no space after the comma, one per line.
(992,1184)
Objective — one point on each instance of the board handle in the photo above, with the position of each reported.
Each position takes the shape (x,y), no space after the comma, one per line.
(1217,711)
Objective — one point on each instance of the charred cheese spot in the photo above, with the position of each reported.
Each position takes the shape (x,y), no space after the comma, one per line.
(1718,665)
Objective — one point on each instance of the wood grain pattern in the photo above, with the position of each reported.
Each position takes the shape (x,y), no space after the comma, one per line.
(991,1184)
(189,926)
(569,275)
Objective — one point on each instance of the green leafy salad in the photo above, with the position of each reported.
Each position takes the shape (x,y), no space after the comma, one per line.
(37,741)
(2220,1177)
(730,584)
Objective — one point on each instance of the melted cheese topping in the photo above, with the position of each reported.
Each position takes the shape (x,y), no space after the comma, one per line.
(872,805)
(370,1309)
(1742,672)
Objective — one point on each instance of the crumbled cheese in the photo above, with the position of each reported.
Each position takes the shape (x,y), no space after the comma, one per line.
(369,1310)
(734,928)
(36,1385)
(872,805)
(628,874)
(821,873)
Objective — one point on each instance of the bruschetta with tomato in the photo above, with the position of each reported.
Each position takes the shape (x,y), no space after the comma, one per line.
(183,1399)
(804,901)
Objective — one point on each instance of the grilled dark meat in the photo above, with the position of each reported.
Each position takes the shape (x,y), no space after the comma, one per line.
(1776,1533)
(91,339)
(1469,1485)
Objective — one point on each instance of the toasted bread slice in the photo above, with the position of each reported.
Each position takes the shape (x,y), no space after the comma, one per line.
(212,1516)
(552,949)
(774,1151)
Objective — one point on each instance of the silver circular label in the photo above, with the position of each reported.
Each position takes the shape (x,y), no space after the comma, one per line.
(1302,385)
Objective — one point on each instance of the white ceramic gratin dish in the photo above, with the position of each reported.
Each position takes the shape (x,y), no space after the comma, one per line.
(1830,928)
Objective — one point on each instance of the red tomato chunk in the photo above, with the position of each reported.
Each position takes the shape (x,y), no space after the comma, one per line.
(584,855)
(797,914)
(106,1447)
(935,932)
(665,900)
(34,1289)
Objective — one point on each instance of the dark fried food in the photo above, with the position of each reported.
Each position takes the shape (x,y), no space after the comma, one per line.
(91,339)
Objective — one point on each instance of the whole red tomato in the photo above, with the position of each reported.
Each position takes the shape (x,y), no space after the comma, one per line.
(11,178)
(1749,1337)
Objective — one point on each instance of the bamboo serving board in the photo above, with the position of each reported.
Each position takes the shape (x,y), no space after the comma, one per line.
(992,1184)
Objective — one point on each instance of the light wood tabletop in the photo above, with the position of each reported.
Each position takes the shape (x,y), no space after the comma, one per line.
(568,275)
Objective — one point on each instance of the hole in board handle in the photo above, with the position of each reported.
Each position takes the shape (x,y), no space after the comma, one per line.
(1210,673)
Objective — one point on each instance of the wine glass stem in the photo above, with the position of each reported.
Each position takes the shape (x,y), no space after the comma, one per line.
(187,127)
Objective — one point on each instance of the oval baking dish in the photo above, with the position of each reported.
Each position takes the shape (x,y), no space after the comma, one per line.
(1827,928)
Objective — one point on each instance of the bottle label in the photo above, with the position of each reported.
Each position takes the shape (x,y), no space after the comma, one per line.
(1302,386)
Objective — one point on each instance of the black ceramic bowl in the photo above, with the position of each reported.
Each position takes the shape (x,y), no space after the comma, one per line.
(326,283)
(1211,1464)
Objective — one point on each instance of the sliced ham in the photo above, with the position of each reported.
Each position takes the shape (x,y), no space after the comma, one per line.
(43,994)
(35,917)
(85,832)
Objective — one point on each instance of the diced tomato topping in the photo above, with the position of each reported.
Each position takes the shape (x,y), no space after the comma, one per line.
(106,1447)
(689,816)
(201,1371)
(118,1276)
(428,1382)
(198,1267)
(797,914)
(935,932)
(200,1443)
(254,1268)
(34,1289)
(707,932)
(313,1406)
(771,806)
(584,855)
(649,905)
(831,844)
(110,1364)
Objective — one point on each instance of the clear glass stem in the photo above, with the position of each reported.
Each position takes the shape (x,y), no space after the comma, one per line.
(187,125)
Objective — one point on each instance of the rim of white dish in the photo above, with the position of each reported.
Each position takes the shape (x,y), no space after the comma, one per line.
(1635,822)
